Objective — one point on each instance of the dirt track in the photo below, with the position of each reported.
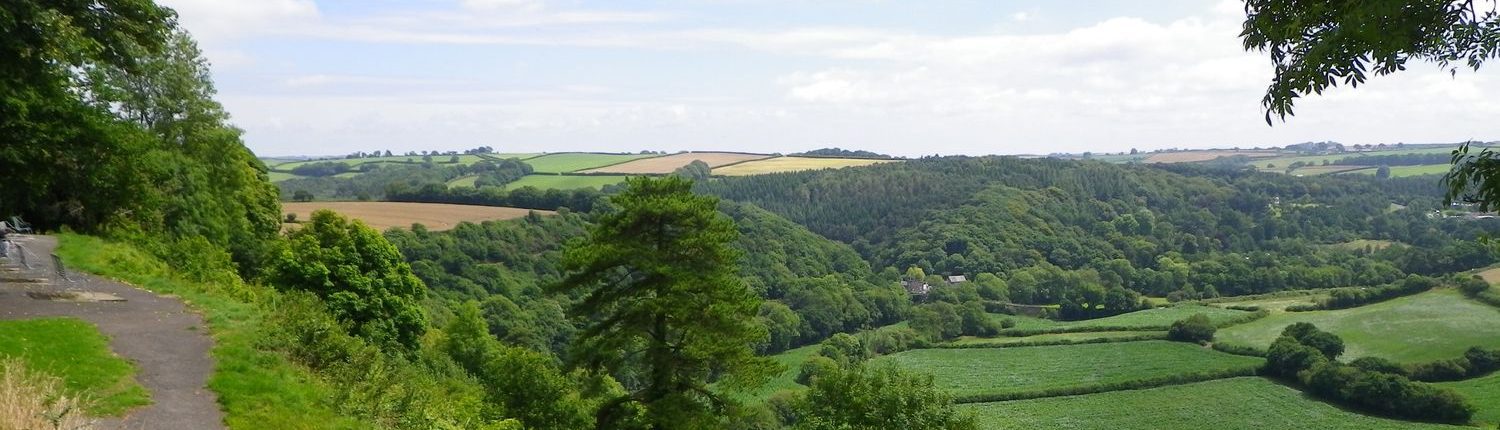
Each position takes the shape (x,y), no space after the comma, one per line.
(159,334)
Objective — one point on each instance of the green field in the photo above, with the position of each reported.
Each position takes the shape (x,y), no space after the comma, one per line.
(1484,393)
(1428,326)
(563,182)
(281,176)
(463,181)
(1276,303)
(791,363)
(1155,318)
(980,371)
(575,161)
(72,349)
(1053,337)
(439,159)
(1228,404)
(1425,169)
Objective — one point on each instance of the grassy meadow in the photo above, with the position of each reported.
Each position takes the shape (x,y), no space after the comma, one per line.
(1249,403)
(1428,326)
(992,371)
(565,182)
(1484,393)
(75,351)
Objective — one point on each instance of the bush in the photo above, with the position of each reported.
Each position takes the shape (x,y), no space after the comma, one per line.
(1475,362)
(1008,323)
(1136,338)
(1377,364)
(360,276)
(1365,385)
(1195,329)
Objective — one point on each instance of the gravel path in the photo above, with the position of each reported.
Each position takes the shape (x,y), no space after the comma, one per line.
(168,342)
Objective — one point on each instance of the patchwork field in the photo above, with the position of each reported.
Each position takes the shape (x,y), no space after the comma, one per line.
(383,215)
(1484,393)
(569,162)
(1228,404)
(986,371)
(670,163)
(792,164)
(565,182)
(1428,326)
(1195,156)
(1055,337)
(1155,318)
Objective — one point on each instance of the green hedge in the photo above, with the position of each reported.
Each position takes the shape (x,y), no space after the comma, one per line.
(1179,379)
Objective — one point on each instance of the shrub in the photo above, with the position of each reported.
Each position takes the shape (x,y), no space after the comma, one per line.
(361,277)
(1008,323)
(1377,364)
(817,365)
(1195,329)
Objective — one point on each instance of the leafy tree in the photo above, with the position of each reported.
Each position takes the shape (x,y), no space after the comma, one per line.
(697,171)
(863,397)
(360,276)
(1383,172)
(1195,329)
(1316,45)
(525,383)
(937,321)
(659,290)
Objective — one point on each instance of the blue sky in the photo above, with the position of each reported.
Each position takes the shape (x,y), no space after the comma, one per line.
(308,77)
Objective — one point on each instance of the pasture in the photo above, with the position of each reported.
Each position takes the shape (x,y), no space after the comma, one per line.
(565,182)
(568,162)
(1329,170)
(791,364)
(1278,303)
(1054,337)
(1484,393)
(384,215)
(1362,244)
(1002,371)
(792,164)
(463,181)
(1429,326)
(1154,318)
(1247,403)
(670,163)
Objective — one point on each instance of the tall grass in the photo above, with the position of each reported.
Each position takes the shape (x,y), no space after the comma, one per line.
(33,401)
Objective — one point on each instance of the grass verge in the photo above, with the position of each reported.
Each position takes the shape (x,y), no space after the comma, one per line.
(75,352)
(257,389)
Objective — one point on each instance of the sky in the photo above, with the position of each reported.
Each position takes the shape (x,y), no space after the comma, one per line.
(330,77)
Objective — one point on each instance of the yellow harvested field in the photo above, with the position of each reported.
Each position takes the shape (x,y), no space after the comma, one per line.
(792,164)
(1196,156)
(670,163)
(1491,275)
(383,215)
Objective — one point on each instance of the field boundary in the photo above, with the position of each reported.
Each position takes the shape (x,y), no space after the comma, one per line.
(773,157)
(1058,342)
(600,166)
(1137,384)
